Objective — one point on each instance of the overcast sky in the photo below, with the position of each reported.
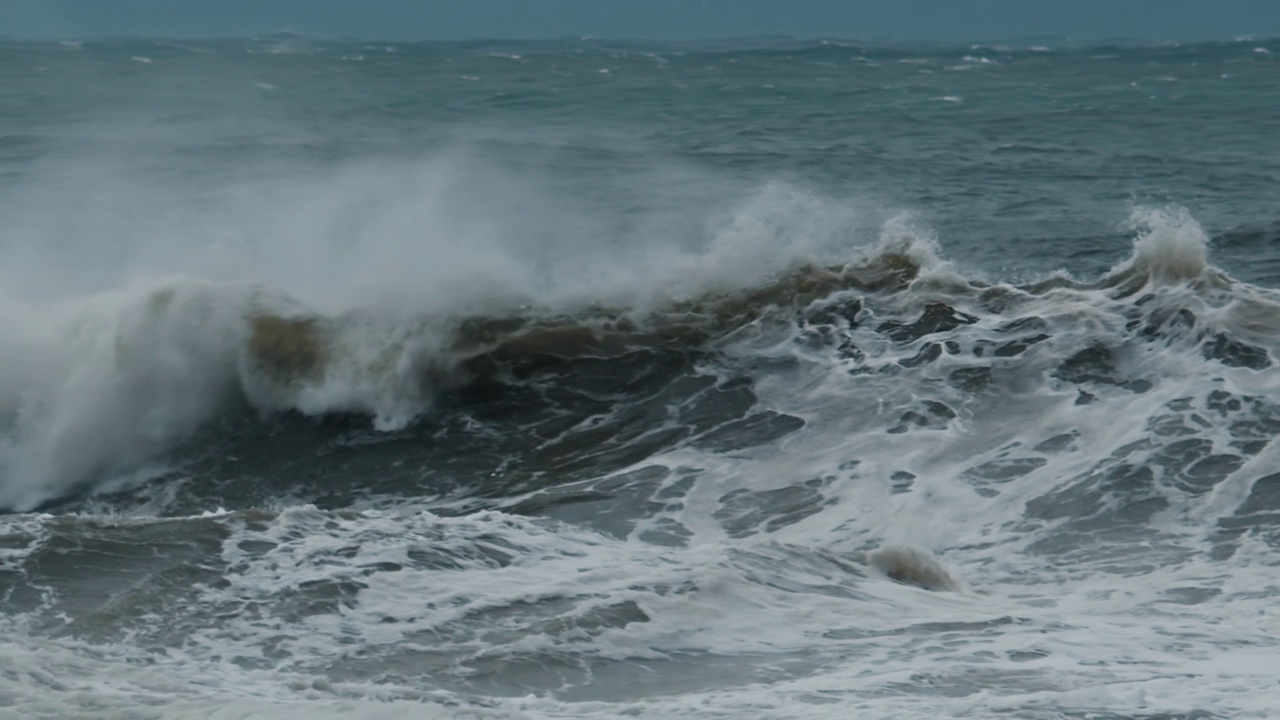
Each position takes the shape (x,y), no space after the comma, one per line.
(457,19)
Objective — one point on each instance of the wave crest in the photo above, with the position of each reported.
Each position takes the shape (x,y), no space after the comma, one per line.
(1170,244)
(89,390)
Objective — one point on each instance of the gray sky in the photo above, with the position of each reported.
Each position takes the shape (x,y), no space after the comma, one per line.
(457,19)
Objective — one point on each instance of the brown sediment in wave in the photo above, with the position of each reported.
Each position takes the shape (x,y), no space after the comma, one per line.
(605,332)
(287,348)
(292,349)
(885,272)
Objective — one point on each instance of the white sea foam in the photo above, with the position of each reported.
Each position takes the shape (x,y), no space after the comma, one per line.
(1088,586)
(1170,244)
(912,566)
(110,357)
(94,386)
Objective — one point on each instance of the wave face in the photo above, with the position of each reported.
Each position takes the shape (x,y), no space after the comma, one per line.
(531,392)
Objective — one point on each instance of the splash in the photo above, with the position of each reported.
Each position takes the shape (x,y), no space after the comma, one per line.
(102,385)
(92,389)
(1170,244)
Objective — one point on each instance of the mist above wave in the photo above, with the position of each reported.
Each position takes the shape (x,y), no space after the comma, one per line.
(124,330)
(97,386)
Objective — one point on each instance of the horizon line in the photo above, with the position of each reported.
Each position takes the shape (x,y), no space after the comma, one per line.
(869,39)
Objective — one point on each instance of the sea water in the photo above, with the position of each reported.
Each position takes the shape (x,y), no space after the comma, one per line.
(767,378)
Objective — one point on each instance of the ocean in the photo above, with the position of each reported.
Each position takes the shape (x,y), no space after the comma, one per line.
(761,378)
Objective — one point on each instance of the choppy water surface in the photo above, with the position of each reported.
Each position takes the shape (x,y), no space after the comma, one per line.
(764,378)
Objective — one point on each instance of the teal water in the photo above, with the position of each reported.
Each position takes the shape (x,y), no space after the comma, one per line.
(581,378)
(1022,157)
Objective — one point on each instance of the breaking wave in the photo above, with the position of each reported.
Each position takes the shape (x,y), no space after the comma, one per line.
(96,395)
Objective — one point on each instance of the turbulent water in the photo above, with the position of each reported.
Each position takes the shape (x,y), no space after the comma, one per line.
(754,379)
